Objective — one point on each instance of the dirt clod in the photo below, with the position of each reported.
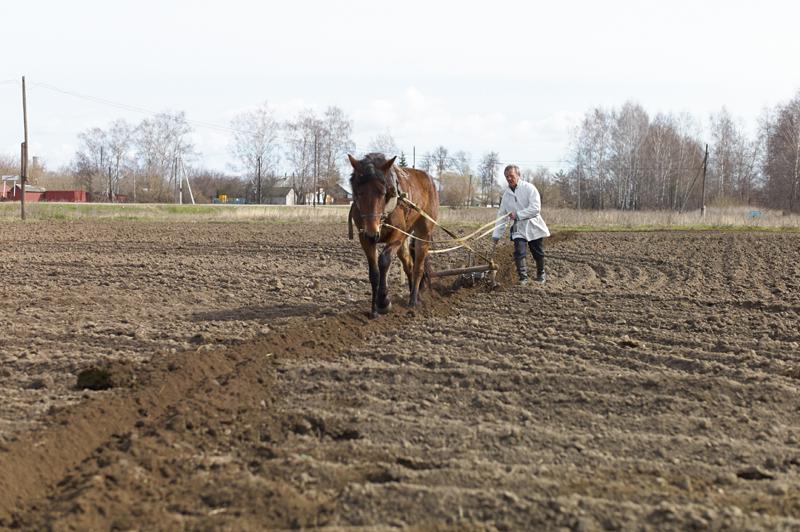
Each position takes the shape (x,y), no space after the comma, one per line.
(94,379)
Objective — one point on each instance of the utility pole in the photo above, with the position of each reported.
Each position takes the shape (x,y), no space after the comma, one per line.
(703,195)
(179,178)
(174,169)
(258,180)
(184,175)
(316,192)
(413,156)
(24,163)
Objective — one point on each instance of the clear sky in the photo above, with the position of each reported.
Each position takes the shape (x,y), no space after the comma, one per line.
(513,77)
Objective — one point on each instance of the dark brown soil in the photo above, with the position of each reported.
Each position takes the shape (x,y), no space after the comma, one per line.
(651,383)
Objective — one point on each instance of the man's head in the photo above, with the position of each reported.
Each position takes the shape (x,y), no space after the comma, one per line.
(512,175)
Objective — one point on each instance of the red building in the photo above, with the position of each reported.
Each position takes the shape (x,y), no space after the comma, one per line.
(32,193)
(75,196)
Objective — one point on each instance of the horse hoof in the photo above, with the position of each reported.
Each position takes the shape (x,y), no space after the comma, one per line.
(386,309)
(373,315)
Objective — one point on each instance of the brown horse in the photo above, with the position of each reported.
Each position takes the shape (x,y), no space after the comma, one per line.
(378,191)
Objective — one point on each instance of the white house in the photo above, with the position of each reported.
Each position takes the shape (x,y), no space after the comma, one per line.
(280,196)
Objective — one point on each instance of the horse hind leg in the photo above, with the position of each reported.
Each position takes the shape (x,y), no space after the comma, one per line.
(420,256)
(407,260)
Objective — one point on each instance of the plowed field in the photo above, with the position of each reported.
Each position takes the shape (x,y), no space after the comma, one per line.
(651,383)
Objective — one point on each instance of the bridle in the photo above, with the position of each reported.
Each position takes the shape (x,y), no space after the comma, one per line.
(391,197)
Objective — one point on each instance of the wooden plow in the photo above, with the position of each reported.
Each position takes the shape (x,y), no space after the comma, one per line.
(472,273)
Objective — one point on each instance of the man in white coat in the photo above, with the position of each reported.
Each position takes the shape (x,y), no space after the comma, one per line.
(523,204)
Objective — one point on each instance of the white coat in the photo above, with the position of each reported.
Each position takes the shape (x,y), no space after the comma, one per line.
(526,204)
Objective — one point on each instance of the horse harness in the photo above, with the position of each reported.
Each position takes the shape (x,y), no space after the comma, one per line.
(393,195)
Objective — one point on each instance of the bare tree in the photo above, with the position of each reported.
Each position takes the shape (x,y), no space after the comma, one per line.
(303,137)
(209,184)
(591,153)
(120,146)
(9,165)
(160,141)
(627,138)
(460,163)
(335,143)
(255,147)
(732,158)
(441,160)
(92,158)
(317,149)
(384,143)
(455,189)
(425,162)
(487,171)
(781,161)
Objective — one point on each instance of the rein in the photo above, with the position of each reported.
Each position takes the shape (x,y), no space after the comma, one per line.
(456,238)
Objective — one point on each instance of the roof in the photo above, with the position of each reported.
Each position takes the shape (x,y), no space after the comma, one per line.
(341,190)
(32,188)
(278,191)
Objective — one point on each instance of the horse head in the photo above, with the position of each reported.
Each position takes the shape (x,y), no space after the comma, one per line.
(374,191)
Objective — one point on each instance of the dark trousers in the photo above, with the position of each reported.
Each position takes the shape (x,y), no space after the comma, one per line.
(520,251)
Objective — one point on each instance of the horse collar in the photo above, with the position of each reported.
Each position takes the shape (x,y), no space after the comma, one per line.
(391,205)
(394,192)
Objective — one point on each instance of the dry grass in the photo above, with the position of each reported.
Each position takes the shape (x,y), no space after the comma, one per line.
(725,217)
(156,212)
(559,219)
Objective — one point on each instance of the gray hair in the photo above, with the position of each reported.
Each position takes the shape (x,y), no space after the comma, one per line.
(511,167)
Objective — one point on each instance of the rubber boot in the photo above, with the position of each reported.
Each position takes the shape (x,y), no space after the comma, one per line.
(541,277)
(522,270)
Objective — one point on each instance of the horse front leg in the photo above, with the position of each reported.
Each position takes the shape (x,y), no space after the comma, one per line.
(385,260)
(371,251)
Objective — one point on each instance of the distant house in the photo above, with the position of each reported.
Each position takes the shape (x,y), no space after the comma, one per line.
(32,193)
(280,196)
(320,198)
(72,196)
(8,182)
(338,195)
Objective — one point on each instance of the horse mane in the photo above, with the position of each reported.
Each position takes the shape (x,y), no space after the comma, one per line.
(368,167)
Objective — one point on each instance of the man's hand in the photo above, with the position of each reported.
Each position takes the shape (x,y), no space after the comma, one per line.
(512,216)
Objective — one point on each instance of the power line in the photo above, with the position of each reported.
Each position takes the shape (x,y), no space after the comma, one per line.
(135,108)
(229,129)
(150,112)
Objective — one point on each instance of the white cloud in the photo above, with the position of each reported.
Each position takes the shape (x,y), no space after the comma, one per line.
(511,77)
(418,121)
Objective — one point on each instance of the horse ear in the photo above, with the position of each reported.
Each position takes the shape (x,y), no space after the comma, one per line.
(353,161)
(388,164)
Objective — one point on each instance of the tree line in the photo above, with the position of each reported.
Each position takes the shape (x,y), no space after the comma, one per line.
(624,159)
(147,161)
(620,158)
